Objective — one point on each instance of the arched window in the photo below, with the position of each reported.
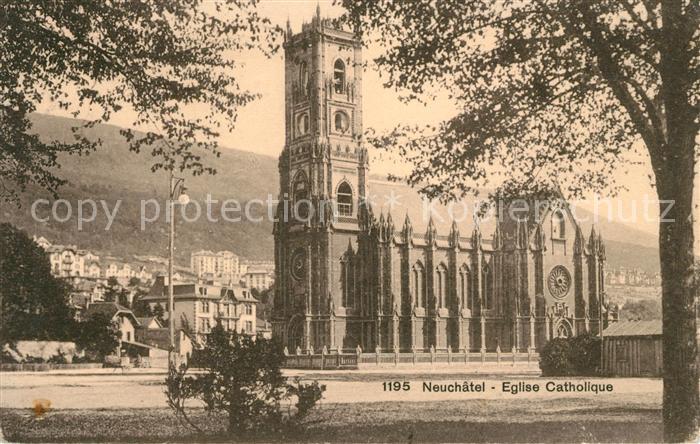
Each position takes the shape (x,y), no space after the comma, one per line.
(558,225)
(347,279)
(339,76)
(303,124)
(487,286)
(300,191)
(463,287)
(441,285)
(418,284)
(341,122)
(344,196)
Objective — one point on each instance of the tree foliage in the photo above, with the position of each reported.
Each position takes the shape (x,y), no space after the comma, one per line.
(34,304)
(242,378)
(576,356)
(545,90)
(158,61)
(641,310)
(97,336)
(555,94)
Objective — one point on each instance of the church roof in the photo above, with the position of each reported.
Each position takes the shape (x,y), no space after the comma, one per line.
(633,328)
(402,201)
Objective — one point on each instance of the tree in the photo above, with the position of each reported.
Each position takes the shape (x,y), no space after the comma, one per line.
(114,292)
(642,310)
(33,303)
(158,60)
(97,336)
(241,377)
(140,307)
(159,312)
(556,93)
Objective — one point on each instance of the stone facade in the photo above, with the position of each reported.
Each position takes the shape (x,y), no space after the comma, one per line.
(347,275)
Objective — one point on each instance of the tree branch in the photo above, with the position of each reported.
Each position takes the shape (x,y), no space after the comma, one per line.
(652,135)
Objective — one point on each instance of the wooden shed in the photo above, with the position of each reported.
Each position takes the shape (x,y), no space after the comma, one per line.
(633,348)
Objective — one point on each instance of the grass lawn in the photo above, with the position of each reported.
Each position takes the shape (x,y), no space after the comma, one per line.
(627,419)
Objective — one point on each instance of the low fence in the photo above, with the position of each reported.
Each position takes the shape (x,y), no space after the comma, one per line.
(46,367)
(335,360)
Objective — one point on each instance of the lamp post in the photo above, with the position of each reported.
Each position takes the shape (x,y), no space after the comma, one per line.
(176,188)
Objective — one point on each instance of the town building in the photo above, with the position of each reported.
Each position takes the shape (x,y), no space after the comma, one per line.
(66,260)
(198,307)
(122,317)
(222,266)
(347,275)
(260,279)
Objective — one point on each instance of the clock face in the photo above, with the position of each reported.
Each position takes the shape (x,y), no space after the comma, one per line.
(299,265)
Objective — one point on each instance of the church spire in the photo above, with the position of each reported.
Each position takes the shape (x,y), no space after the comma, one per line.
(407,231)
(593,241)
(431,232)
(578,241)
(454,235)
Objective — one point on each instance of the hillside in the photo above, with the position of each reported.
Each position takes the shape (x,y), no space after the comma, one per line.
(113,173)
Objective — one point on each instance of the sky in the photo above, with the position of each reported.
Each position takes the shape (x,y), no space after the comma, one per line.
(260,125)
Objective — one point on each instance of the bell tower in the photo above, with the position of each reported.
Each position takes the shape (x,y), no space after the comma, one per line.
(323,170)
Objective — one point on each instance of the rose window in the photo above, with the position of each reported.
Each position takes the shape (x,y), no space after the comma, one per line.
(559,281)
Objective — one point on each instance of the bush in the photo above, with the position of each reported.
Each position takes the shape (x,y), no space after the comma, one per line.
(554,358)
(242,379)
(577,356)
(585,354)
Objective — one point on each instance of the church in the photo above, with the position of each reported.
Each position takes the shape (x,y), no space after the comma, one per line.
(366,263)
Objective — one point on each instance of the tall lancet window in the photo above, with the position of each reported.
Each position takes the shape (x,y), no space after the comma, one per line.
(441,285)
(558,225)
(300,190)
(463,287)
(339,76)
(347,279)
(345,200)
(304,76)
(487,286)
(418,284)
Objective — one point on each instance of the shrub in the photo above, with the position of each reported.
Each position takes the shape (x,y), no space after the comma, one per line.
(242,378)
(585,354)
(554,358)
(577,356)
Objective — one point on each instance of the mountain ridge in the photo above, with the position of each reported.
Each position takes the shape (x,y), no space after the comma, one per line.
(113,173)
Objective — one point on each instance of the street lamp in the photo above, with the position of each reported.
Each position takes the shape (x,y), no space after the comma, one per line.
(176,189)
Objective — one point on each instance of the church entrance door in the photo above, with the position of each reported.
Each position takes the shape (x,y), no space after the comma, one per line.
(563,329)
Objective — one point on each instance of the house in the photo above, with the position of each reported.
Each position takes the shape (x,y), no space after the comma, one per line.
(159,337)
(122,317)
(85,293)
(65,261)
(198,307)
(93,269)
(633,348)
(149,322)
